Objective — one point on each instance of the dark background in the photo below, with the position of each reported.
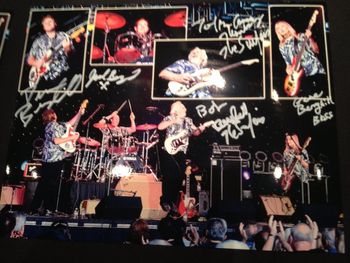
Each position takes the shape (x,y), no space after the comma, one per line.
(56,252)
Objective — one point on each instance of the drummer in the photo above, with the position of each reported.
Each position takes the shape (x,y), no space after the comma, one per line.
(145,36)
(110,129)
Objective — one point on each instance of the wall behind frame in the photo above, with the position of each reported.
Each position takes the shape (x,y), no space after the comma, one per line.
(338,13)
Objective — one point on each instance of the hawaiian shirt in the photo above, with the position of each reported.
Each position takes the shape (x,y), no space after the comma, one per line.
(309,61)
(185,66)
(176,128)
(59,59)
(53,152)
(299,170)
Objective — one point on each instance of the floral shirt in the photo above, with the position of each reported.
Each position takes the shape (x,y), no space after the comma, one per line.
(309,61)
(185,66)
(299,170)
(59,59)
(51,151)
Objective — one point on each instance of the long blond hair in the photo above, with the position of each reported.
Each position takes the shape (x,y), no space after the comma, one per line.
(291,32)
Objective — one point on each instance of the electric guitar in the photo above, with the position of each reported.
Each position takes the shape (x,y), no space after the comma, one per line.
(292,81)
(289,176)
(36,73)
(205,78)
(187,204)
(173,144)
(70,146)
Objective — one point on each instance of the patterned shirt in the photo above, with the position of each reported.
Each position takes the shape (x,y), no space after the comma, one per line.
(185,66)
(299,170)
(176,128)
(309,61)
(51,151)
(59,59)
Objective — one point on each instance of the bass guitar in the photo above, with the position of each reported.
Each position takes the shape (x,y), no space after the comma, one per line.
(173,144)
(204,78)
(289,176)
(70,146)
(187,205)
(292,81)
(35,73)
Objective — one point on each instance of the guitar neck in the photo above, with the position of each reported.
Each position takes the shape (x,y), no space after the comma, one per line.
(232,66)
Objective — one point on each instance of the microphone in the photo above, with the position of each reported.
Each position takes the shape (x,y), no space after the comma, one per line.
(101,106)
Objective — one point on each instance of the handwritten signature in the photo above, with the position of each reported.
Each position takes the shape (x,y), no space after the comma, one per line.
(235,124)
(305,105)
(110,76)
(46,100)
(238,26)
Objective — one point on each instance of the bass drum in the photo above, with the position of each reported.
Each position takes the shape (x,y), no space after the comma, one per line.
(127,48)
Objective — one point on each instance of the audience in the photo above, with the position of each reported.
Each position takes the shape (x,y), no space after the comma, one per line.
(215,233)
(138,233)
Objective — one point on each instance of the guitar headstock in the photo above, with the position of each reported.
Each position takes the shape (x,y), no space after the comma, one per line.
(306,143)
(84,104)
(249,62)
(313,18)
(188,170)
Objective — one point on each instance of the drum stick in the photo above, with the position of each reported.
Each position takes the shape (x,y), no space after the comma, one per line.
(130,106)
(121,106)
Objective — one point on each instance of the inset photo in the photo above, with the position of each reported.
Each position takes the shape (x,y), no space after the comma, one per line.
(299,57)
(125,36)
(54,53)
(208,69)
(4,23)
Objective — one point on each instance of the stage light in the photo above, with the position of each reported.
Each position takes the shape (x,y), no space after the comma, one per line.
(318,170)
(121,169)
(246,174)
(8,170)
(277,160)
(277,172)
(259,161)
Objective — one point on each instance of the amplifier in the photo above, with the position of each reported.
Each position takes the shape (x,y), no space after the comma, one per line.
(226,151)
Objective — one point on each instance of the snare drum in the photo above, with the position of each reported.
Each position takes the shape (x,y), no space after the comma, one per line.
(127,48)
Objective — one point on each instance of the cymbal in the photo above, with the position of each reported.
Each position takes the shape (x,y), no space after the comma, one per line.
(109,20)
(96,52)
(99,125)
(151,108)
(146,127)
(89,141)
(176,19)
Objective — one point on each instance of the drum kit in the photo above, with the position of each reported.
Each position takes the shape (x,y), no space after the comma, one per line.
(121,155)
(128,46)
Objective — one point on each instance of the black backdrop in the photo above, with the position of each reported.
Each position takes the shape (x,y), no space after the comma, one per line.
(9,72)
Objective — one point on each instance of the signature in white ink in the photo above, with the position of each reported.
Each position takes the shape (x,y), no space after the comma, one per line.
(304,105)
(109,77)
(45,100)
(236,28)
(234,125)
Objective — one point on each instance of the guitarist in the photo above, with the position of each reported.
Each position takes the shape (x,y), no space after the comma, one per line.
(180,71)
(290,43)
(173,166)
(42,45)
(55,161)
(301,169)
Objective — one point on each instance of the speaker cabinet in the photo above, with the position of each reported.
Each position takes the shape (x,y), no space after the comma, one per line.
(148,189)
(225,180)
(277,205)
(119,207)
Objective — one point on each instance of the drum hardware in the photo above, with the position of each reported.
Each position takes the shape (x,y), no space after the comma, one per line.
(108,21)
(127,48)
(96,53)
